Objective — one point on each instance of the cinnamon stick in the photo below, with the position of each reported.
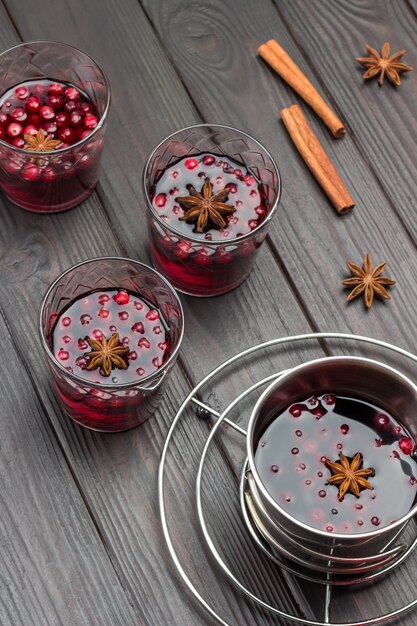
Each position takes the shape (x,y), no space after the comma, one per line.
(282,63)
(316,158)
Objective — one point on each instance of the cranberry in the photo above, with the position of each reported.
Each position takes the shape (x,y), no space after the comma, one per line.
(90,122)
(160,200)
(49,174)
(406,444)
(123,315)
(33,104)
(140,371)
(318,412)
(30,129)
(40,91)
(71,105)
(144,343)
(47,113)
(19,142)
(202,257)
(82,134)
(121,297)
(191,164)
(85,319)
(56,102)
(296,409)
(295,451)
(2,132)
(19,114)
(21,92)
(345,429)
(138,328)
(62,118)
(71,93)
(382,421)
(14,129)
(4,119)
(34,120)
(103,313)
(86,108)
(63,355)
(66,134)
(152,315)
(31,172)
(208,159)
(76,118)
(375,520)
(50,127)
(57,89)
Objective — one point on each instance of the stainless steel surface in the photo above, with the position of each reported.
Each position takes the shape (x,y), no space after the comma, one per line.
(385,617)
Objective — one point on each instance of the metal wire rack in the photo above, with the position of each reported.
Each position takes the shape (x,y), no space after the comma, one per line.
(203,409)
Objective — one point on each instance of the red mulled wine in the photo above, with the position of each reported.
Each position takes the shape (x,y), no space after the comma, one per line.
(207,206)
(338,464)
(44,116)
(110,338)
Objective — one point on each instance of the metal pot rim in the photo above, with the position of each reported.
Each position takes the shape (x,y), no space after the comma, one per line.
(317,533)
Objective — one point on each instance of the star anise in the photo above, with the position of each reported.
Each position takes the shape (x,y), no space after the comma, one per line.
(205,207)
(367,281)
(349,475)
(106,354)
(384,64)
(41,142)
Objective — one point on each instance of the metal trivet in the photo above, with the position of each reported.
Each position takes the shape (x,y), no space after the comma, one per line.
(328,580)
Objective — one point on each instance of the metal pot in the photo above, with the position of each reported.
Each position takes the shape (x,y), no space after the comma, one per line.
(313,548)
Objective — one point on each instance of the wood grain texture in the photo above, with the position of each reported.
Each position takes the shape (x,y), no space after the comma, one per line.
(178,64)
(376,116)
(54,568)
(118,505)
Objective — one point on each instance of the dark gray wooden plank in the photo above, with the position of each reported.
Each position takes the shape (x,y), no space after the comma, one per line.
(376,116)
(54,568)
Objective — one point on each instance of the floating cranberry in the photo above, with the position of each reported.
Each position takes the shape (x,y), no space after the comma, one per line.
(152,315)
(144,343)
(14,129)
(19,142)
(66,134)
(138,327)
(329,399)
(140,371)
(62,118)
(85,319)
(34,120)
(5,119)
(208,159)
(47,113)
(296,409)
(19,114)
(191,164)
(76,118)
(375,520)
(322,493)
(33,104)
(86,108)
(359,506)
(295,451)
(30,130)
(160,200)
(50,127)
(90,121)
(121,297)
(103,313)
(274,468)
(21,92)
(299,433)
(103,298)
(66,321)
(344,429)
(123,315)
(63,355)
(407,445)
(71,93)
(113,328)
(66,339)
(71,105)
(31,172)
(57,89)
(329,528)
(81,361)
(382,421)
(132,356)
(55,101)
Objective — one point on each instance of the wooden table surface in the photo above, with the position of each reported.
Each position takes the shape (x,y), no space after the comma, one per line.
(80,535)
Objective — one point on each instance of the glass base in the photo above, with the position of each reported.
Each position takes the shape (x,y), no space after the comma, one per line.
(60,208)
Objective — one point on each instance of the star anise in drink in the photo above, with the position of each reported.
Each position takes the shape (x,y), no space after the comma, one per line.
(349,475)
(206,208)
(41,142)
(106,354)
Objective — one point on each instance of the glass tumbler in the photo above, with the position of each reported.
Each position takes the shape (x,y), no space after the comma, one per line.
(49,182)
(212,264)
(108,406)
